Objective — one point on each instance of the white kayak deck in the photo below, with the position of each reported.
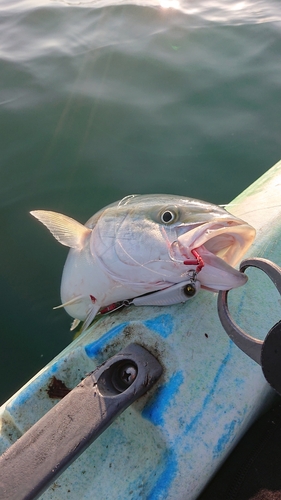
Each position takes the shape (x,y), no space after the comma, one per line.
(169,443)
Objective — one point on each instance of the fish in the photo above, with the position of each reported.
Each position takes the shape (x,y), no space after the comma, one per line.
(147,250)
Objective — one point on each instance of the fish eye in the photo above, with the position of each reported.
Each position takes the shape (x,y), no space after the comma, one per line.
(168,216)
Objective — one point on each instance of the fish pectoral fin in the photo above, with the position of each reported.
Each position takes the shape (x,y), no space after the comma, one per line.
(75,300)
(90,317)
(74,324)
(174,294)
(66,230)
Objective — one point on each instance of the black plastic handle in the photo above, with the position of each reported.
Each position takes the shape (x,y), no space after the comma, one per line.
(271,357)
(31,464)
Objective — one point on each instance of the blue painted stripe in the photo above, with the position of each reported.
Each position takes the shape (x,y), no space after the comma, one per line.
(155,410)
(208,398)
(163,483)
(225,438)
(97,346)
(30,391)
(163,324)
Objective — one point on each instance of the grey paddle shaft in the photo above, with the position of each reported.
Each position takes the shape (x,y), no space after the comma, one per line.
(30,465)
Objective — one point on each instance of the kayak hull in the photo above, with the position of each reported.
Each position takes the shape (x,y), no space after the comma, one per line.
(170,442)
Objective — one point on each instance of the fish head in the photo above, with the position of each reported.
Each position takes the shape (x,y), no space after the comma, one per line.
(153,239)
(220,239)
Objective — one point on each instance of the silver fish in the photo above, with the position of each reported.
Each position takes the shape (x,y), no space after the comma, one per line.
(144,248)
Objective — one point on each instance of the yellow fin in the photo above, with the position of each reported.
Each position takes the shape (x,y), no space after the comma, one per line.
(66,230)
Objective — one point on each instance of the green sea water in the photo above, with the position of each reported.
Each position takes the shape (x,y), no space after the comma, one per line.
(99,100)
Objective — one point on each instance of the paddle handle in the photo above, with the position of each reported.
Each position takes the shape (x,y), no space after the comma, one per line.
(31,464)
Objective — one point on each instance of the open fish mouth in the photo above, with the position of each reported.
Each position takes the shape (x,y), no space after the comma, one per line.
(220,245)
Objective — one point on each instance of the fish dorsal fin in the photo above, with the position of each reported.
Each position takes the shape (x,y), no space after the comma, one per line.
(66,230)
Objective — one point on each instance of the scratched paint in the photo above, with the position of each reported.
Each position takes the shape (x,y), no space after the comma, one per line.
(24,396)
(98,345)
(163,325)
(156,410)
(162,485)
(226,437)
(209,396)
